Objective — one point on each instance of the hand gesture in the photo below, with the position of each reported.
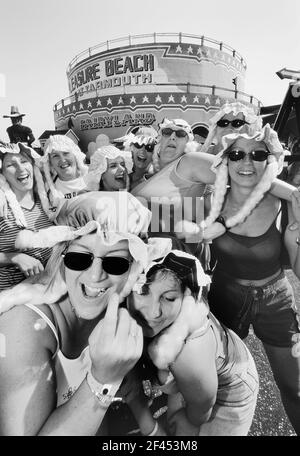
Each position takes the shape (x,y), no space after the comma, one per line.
(27,264)
(116,344)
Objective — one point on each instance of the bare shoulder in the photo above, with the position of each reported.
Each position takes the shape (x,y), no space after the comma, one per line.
(25,335)
(196,165)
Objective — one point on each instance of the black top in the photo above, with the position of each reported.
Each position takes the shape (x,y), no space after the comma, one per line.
(20,133)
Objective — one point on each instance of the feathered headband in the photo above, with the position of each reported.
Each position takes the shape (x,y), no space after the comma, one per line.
(99,164)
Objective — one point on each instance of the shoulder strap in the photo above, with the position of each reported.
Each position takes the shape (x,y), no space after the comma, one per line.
(48,321)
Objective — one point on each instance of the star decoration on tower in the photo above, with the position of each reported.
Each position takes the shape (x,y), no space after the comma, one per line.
(178,49)
(190,50)
(89,105)
(158,99)
(183,99)
(196,99)
(81,106)
(99,102)
(132,100)
(120,101)
(171,99)
(109,102)
(145,99)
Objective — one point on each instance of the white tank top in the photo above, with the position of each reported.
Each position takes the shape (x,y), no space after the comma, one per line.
(70,373)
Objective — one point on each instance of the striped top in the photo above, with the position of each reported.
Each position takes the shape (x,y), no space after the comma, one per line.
(36,219)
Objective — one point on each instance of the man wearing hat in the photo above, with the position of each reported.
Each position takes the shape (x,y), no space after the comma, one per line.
(18,132)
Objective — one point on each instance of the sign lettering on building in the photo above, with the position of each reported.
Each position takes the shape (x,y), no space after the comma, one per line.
(121,71)
(107,121)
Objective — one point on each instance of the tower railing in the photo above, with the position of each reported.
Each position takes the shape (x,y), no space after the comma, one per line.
(211,90)
(150,38)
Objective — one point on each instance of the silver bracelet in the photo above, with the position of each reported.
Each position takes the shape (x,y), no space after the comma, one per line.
(103,392)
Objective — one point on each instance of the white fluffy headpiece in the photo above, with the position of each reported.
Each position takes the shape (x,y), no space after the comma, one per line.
(144,136)
(112,215)
(60,143)
(177,124)
(98,164)
(254,121)
(266,135)
(220,166)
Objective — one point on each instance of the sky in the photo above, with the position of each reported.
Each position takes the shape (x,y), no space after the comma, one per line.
(39,38)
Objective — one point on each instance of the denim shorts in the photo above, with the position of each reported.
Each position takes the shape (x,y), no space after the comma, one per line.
(269,308)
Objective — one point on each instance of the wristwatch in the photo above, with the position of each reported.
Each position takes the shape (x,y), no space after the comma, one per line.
(104,392)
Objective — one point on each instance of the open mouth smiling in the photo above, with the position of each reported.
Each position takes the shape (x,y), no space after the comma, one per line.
(92,292)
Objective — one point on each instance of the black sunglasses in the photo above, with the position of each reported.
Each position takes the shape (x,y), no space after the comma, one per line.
(178,133)
(236,123)
(258,155)
(80,261)
(148,147)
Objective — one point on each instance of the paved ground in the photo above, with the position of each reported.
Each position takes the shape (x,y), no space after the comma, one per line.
(270,418)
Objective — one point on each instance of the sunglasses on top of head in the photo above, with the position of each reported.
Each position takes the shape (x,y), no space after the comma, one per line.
(178,133)
(236,123)
(80,261)
(258,155)
(148,147)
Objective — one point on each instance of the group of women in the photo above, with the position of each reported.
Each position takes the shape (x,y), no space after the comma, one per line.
(116,306)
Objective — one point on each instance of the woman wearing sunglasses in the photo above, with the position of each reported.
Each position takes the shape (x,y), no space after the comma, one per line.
(231,118)
(109,169)
(141,145)
(65,360)
(250,229)
(206,363)
(181,179)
